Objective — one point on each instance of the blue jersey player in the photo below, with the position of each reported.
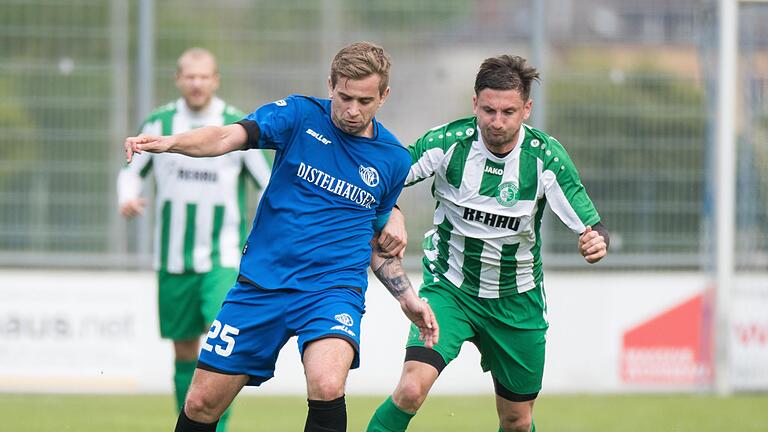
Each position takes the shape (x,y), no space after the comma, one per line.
(336,176)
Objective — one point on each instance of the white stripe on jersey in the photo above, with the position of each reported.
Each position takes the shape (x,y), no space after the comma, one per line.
(558,202)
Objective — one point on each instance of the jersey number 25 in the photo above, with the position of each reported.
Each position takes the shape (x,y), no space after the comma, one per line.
(224,334)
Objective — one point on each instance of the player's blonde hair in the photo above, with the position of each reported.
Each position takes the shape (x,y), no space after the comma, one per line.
(195,53)
(359,61)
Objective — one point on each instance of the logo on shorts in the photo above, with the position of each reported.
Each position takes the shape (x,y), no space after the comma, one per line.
(346,322)
(508,194)
(369,175)
(345,319)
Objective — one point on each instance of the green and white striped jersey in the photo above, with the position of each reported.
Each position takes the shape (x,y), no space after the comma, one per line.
(201,214)
(486,237)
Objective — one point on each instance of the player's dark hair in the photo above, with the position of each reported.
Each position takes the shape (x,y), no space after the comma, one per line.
(506,72)
(359,61)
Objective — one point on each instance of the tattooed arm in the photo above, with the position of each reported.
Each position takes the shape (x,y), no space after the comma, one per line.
(391,273)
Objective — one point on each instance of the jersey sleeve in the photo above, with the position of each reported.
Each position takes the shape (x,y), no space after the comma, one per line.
(389,200)
(564,191)
(277,121)
(130,179)
(427,153)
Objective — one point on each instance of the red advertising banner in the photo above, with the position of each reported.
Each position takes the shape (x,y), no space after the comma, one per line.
(673,347)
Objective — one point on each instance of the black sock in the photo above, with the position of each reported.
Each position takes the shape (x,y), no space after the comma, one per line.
(326,416)
(186,424)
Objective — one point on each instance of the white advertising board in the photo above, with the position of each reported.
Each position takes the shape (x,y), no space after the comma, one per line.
(96,332)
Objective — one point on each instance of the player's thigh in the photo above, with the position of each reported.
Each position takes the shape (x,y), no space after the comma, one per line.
(179,305)
(247,334)
(515,358)
(331,313)
(512,341)
(326,366)
(213,290)
(450,312)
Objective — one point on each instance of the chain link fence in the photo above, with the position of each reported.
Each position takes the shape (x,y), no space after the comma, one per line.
(628,88)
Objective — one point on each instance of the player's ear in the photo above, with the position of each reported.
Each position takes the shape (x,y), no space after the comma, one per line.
(474,104)
(330,88)
(527,109)
(384,96)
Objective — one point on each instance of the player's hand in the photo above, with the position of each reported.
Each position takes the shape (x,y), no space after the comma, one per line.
(150,143)
(393,237)
(592,245)
(418,311)
(132,208)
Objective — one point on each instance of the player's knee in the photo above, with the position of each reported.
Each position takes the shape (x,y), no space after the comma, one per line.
(516,423)
(201,408)
(326,388)
(410,395)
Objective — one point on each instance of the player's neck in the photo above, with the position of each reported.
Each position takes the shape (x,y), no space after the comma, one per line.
(500,155)
(368,132)
(199,109)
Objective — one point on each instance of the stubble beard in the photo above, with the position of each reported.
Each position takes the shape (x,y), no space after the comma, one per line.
(498,143)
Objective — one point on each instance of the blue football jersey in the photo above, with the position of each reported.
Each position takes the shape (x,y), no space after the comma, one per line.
(315,219)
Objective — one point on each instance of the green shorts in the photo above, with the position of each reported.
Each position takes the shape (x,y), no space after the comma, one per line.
(509,332)
(189,302)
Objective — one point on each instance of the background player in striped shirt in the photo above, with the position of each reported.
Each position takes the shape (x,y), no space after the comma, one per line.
(336,176)
(483,277)
(201,215)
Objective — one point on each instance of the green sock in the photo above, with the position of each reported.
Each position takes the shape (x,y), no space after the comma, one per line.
(389,418)
(222,426)
(182,377)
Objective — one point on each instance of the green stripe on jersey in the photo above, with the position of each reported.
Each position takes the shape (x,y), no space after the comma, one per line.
(508,271)
(165,234)
(218,222)
(455,170)
(472,266)
(166,118)
(189,238)
(492,175)
(232,114)
(529,178)
(145,170)
(444,236)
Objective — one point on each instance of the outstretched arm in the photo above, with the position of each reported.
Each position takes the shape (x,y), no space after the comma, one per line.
(202,142)
(391,273)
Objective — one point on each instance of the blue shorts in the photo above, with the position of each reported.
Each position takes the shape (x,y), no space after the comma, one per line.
(254,324)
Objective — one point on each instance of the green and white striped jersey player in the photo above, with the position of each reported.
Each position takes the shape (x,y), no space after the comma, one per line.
(487,225)
(493,176)
(200,207)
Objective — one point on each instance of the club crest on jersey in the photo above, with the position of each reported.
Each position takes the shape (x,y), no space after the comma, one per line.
(369,175)
(508,194)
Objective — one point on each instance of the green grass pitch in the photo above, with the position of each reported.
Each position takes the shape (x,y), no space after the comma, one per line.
(557,413)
